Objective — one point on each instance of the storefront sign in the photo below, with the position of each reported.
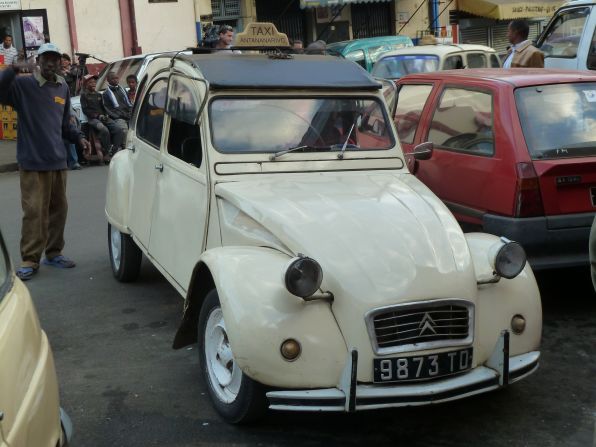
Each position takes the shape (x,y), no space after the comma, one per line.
(324,3)
(10,5)
(507,9)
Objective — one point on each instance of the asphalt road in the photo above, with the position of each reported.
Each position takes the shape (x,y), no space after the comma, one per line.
(123,385)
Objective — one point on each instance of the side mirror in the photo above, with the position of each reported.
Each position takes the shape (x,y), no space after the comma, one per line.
(423,151)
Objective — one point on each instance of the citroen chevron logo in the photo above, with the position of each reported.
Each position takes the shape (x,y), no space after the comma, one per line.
(427,324)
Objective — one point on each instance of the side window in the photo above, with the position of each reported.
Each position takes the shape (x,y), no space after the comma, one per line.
(453,63)
(357,56)
(102,82)
(463,121)
(562,37)
(184,138)
(410,103)
(494,61)
(477,60)
(150,119)
(591,62)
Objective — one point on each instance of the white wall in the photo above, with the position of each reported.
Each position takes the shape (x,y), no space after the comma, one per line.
(421,20)
(165,26)
(57,20)
(98,28)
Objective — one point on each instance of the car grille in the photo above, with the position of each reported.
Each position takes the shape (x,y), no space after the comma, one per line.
(427,324)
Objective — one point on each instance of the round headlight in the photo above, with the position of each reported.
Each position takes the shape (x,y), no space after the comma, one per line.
(303,276)
(510,260)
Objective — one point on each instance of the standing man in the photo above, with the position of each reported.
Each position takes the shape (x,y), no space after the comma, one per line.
(43,104)
(522,53)
(67,74)
(226,37)
(9,52)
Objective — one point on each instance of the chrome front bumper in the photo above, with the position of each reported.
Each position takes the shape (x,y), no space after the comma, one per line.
(369,397)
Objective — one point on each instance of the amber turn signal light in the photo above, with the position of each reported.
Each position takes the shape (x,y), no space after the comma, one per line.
(290,349)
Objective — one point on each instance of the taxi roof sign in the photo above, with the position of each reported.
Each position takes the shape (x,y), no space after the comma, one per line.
(261,34)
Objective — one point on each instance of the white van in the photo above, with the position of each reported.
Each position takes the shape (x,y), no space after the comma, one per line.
(569,39)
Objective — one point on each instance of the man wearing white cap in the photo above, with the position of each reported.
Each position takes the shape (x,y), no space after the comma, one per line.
(43,105)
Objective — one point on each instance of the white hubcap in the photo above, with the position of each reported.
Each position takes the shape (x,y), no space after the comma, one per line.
(116,243)
(224,374)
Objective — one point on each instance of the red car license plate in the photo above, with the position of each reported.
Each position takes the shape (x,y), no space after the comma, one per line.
(422,367)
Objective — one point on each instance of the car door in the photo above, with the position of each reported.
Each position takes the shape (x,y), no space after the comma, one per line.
(411,104)
(146,142)
(462,170)
(178,229)
(566,40)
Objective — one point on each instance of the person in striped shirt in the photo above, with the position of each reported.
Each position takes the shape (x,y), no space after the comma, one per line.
(9,52)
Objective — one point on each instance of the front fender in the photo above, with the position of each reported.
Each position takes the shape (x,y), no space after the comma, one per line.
(260,314)
(499,302)
(118,190)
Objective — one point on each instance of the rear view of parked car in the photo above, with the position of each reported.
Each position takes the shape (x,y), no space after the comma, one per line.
(514,153)
(30,413)
(367,51)
(427,58)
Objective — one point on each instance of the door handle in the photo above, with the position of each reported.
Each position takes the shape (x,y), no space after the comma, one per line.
(159,167)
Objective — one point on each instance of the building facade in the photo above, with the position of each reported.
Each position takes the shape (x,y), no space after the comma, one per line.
(111,29)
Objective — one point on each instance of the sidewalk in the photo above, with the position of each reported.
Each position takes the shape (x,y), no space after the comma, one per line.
(8,156)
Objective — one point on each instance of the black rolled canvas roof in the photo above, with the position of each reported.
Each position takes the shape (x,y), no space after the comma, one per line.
(233,71)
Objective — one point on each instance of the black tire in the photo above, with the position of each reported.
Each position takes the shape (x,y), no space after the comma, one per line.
(128,265)
(250,403)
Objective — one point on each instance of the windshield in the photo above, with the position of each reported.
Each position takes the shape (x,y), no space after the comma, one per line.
(563,36)
(394,67)
(378,51)
(558,120)
(258,125)
(123,69)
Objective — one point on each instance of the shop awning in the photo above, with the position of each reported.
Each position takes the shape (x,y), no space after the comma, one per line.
(510,9)
(324,3)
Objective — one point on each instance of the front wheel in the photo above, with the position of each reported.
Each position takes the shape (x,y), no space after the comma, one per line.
(125,255)
(235,396)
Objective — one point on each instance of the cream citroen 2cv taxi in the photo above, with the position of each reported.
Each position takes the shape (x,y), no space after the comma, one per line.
(318,273)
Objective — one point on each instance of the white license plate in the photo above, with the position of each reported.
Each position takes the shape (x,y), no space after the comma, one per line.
(422,367)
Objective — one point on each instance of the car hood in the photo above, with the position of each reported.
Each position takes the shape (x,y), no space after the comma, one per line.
(379,237)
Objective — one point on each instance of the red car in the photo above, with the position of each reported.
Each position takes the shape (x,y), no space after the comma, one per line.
(513,153)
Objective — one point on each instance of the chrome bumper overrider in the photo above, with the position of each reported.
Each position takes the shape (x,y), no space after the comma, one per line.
(368,397)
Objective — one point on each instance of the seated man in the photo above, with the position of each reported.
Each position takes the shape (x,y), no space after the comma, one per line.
(116,100)
(93,106)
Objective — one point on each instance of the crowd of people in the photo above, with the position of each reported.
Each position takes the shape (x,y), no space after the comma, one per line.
(108,113)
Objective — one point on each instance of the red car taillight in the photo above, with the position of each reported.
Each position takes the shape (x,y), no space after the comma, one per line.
(528,201)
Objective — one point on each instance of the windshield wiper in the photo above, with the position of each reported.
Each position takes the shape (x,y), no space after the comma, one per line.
(310,148)
(343,148)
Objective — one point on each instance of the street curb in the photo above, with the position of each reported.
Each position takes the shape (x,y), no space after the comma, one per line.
(9,167)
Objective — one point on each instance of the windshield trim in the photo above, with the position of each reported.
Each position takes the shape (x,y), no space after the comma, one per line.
(393,141)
